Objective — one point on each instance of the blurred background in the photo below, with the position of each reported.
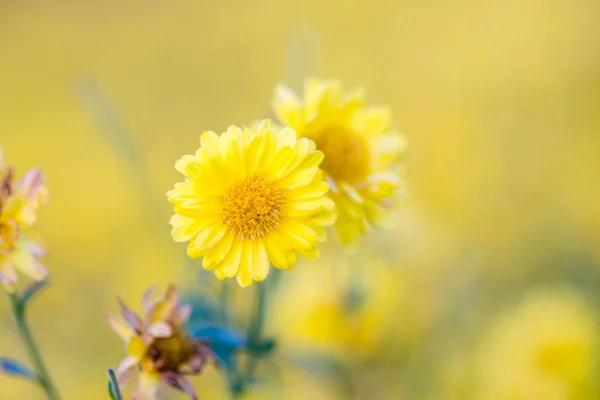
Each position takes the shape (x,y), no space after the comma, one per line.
(488,286)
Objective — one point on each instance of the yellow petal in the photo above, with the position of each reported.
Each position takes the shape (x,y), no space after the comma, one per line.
(136,348)
(217,254)
(349,230)
(310,253)
(254,158)
(243,274)
(286,138)
(230,265)
(7,271)
(300,178)
(277,249)
(264,126)
(148,384)
(128,363)
(28,264)
(372,121)
(259,269)
(209,141)
(352,193)
(311,205)
(185,228)
(316,190)
(189,166)
(234,132)
(299,235)
(294,160)
(120,326)
(321,233)
(209,236)
(272,170)
(193,251)
(287,106)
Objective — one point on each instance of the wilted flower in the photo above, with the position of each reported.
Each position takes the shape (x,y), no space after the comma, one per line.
(361,150)
(20,247)
(159,345)
(252,197)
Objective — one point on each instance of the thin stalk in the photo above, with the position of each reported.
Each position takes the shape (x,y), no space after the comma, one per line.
(43,377)
(240,378)
(224,301)
(255,328)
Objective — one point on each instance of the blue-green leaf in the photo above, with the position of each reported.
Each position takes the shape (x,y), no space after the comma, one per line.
(31,291)
(15,368)
(223,341)
(113,386)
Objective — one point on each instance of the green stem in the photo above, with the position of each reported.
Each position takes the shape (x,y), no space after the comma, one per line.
(224,302)
(255,328)
(240,378)
(43,377)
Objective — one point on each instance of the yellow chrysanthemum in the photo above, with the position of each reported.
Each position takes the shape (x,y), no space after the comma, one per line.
(361,150)
(546,348)
(346,317)
(20,247)
(252,197)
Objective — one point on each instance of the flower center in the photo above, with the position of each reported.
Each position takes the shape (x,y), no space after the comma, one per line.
(346,155)
(9,232)
(170,353)
(252,207)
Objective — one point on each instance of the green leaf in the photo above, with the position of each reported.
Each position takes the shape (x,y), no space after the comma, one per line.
(113,386)
(31,291)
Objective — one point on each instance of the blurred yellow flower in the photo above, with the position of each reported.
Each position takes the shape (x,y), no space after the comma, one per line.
(343,315)
(159,345)
(545,349)
(20,247)
(361,150)
(252,197)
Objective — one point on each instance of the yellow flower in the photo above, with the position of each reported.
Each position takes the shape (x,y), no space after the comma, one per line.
(20,247)
(159,345)
(252,197)
(342,314)
(361,150)
(546,348)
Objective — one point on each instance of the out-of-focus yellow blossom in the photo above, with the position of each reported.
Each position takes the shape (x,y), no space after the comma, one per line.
(547,349)
(344,316)
(20,246)
(159,345)
(361,150)
(252,197)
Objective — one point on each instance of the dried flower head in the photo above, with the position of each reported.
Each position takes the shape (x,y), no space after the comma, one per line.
(361,150)
(252,197)
(159,345)
(20,247)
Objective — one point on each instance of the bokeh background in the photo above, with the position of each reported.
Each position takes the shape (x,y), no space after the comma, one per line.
(488,286)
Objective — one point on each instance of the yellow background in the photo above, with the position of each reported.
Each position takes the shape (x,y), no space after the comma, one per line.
(499,102)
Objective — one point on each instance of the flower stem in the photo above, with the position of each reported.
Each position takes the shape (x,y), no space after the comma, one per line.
(239,379)
(43,377)
(255,328)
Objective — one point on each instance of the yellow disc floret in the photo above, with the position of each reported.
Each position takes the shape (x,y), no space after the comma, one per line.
(253,207)
(347,155)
